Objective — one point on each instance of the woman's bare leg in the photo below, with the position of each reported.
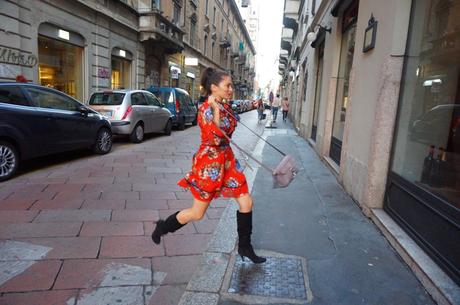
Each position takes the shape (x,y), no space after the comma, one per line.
(194,213)
(245,203)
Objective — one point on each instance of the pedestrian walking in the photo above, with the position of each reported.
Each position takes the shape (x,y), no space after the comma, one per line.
(260,110)
(285,107)
(215,171)
(275,106)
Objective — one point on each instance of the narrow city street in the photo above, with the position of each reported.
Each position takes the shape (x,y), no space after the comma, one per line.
(350,192)
(78,232)
(79,228)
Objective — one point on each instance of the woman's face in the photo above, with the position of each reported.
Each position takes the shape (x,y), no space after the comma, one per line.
(224,90)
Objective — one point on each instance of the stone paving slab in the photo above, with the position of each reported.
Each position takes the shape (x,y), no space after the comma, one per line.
(179,269)
(210,273)
(112,228)
(73,215)
(132,246)
(111,204)
(39,230)
(135,215)
(51,297)
(206,225)
(167,295)
(153,204)
(38,276)
(68,247)
(10,204)
(185,244)
(199,298)
(147,195)
(56,204)
(86,273)
(17,216)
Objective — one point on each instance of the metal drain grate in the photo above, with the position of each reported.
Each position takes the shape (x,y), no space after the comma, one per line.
(277,277)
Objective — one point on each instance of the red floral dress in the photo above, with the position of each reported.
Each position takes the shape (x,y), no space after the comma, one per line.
(215,171)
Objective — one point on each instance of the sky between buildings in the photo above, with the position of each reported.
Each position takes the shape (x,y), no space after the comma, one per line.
(268,49)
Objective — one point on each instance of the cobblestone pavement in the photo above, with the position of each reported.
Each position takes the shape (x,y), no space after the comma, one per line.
(75,228)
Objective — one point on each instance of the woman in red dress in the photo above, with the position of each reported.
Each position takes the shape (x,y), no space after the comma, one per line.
(215,171)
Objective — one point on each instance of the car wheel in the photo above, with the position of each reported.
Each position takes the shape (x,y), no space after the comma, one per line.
(195,121)
(9,160)
(137,135)
(181,125)
(104,142)
(168,128)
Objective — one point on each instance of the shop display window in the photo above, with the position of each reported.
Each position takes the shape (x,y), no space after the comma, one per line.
(427,145)
(60,66)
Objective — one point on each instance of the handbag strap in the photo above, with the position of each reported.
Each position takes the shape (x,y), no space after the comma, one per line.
(277,149)
(246,152)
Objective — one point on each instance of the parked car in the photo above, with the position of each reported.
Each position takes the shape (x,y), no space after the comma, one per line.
(180,104)
(37,121)
(132,112)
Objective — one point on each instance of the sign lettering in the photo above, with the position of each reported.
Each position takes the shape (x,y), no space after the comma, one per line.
(15,57)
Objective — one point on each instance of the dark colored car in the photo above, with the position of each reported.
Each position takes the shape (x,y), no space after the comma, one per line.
(180,104)
(37,121)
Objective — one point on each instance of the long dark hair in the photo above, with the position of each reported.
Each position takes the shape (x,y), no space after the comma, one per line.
(210,77)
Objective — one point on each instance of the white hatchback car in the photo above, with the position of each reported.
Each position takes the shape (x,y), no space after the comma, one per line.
(132,112)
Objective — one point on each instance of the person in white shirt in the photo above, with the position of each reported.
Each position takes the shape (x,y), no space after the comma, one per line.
(275,106)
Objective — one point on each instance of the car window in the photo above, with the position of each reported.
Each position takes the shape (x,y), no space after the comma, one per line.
(152,100)
(12,95)
(47,99)
(190,102)
(138,99)
(182,99)
(106,98)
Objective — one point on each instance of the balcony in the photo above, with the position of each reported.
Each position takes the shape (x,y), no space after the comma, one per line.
(286,45)
(241,59)
(290,23)
(234,53)
(225,41)
(156,27)
(287,34)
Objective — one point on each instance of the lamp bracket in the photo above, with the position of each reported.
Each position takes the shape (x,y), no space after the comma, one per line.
(325,28)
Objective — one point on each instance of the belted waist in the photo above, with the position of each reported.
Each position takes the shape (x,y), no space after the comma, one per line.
(224,145)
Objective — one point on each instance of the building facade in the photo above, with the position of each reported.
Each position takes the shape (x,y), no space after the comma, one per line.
(83,46)
(375,88)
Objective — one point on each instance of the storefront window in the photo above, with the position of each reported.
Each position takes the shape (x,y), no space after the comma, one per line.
(427,145)
(346,63)
(121,71)
(60,66)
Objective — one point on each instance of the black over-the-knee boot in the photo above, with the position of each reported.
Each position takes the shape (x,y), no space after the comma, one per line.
(166,226)
(244,222)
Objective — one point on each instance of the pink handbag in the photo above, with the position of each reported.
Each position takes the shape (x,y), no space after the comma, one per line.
(284,173)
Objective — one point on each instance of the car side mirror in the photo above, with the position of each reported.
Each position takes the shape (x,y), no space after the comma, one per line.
(83,110)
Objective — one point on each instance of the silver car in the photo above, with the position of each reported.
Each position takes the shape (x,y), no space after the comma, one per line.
(132,112)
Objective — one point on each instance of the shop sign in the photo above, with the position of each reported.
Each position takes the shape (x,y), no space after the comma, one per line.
(190,74)
(191,61)
(175,72)
(15,57)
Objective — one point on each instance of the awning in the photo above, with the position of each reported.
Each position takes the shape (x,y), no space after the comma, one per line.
(340,6)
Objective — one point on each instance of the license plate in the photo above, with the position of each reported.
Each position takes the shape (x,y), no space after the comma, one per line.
(107,113)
